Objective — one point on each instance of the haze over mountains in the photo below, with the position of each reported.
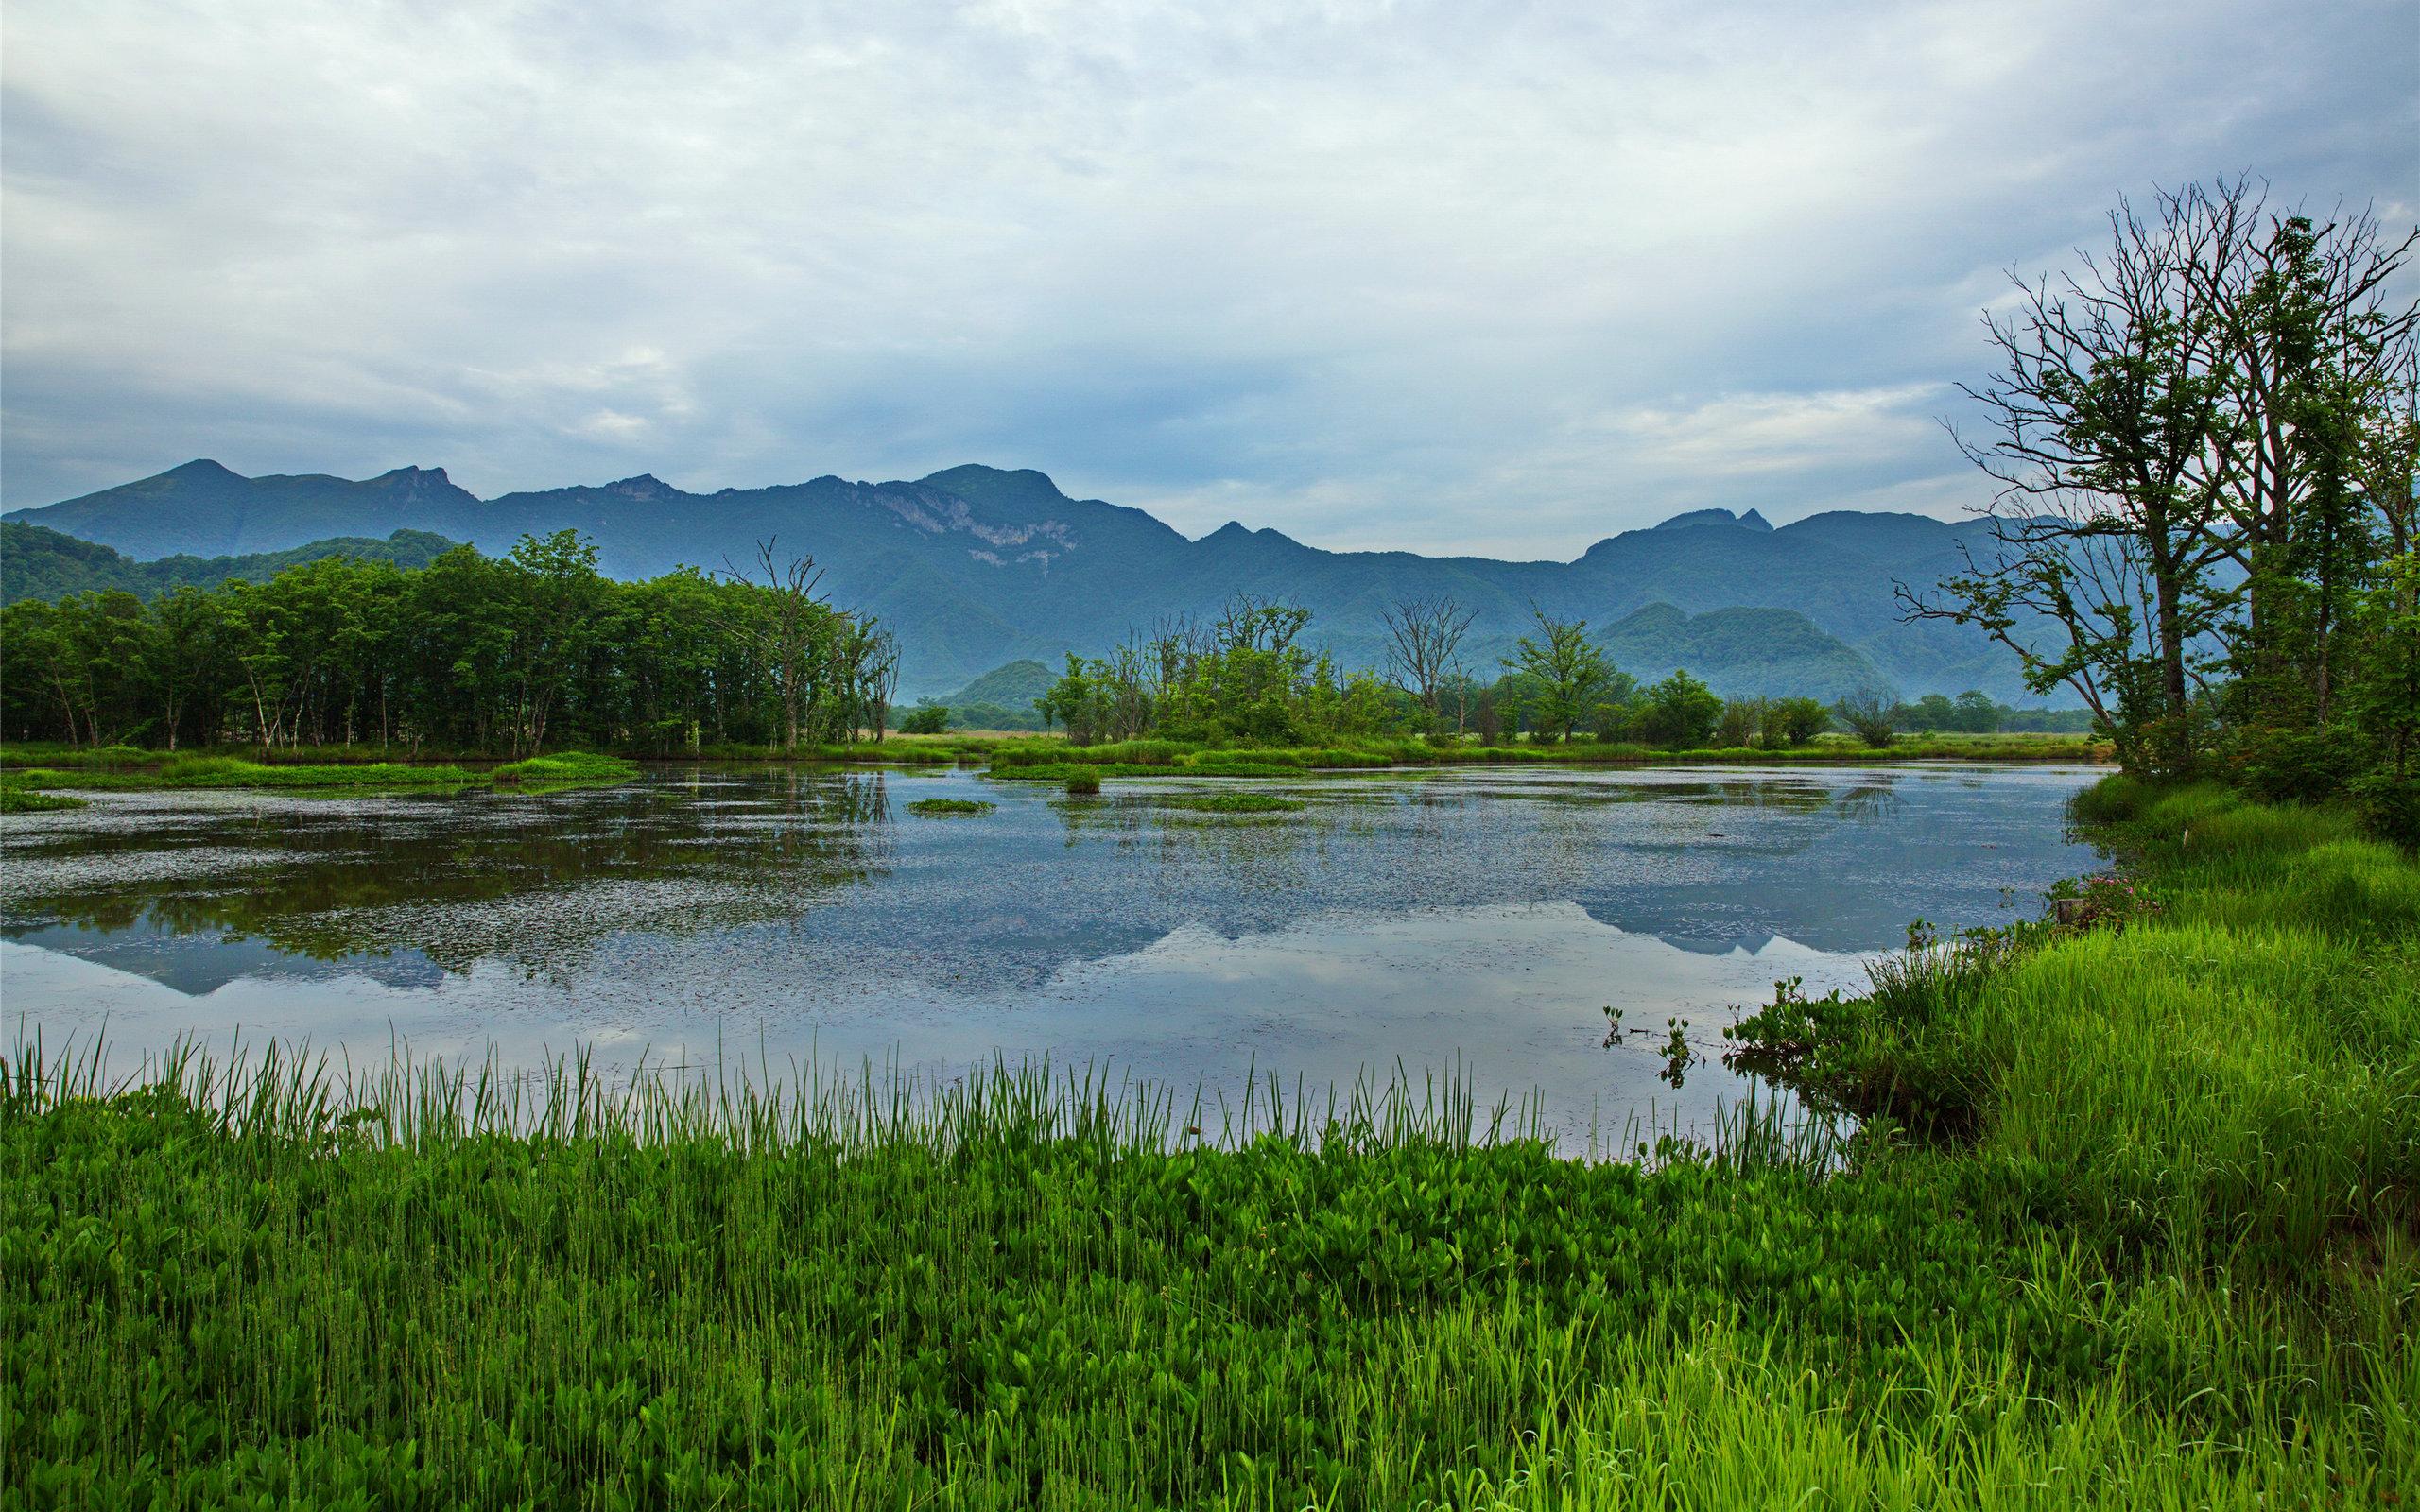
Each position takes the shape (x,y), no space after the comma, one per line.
(974,567)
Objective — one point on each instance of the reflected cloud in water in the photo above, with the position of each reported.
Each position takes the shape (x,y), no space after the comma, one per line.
(1482,916)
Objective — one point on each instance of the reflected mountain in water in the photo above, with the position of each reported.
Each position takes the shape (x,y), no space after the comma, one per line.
(1483,918)
(820,881)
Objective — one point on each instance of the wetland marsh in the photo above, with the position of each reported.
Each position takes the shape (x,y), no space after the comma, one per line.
(1328,928)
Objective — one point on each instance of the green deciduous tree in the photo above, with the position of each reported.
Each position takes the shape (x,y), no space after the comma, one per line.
(1568,674)
(1680,712)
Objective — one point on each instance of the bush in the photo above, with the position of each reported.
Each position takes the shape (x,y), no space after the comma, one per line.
(1868,715)
(927,719)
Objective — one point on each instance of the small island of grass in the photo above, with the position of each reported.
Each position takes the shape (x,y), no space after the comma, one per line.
(932,808)
(565,769)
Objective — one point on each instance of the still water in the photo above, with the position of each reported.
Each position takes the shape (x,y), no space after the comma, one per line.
(1477,919)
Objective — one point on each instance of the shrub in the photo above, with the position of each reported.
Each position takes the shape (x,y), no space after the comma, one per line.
(1868,715)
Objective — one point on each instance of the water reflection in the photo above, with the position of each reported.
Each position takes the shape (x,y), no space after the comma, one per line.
(1425,916)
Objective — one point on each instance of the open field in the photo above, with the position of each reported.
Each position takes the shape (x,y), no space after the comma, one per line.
(2132,1223)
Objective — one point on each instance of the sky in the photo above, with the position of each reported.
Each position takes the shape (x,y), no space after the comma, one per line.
(1454,277)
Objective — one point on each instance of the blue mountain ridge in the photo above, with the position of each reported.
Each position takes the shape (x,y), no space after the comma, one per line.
(974,566)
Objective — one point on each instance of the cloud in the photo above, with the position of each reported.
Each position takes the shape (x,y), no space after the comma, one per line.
(1421,274)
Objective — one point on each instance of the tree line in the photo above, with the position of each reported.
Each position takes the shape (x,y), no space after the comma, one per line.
(508,656)
(2204,439)
(1245,677)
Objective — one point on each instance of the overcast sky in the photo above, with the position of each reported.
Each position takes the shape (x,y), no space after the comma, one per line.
(1458,276)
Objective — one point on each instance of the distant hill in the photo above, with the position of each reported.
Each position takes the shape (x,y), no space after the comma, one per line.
(1748,652)
(1002,699)
(40,564)
(974,567)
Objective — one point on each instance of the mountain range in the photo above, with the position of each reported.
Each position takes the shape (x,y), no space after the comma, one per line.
(975,566)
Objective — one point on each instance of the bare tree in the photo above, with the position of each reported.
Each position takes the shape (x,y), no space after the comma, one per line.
(1252,622)
(1423,636)
(877,667)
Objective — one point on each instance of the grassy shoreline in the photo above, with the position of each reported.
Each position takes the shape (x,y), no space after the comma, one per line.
(44,777)
(31,781)
(1019,750)
(2166,1256)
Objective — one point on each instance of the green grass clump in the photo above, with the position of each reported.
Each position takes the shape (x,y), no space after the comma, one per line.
(16,798)
(939,807)
(1084,781)
(563,769)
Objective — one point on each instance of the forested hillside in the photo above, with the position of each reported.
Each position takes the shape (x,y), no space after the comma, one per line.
(40,564)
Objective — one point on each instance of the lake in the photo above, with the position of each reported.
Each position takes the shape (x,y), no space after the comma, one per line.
(1476,919)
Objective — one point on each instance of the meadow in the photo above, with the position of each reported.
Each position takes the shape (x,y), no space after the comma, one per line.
(2129,1220)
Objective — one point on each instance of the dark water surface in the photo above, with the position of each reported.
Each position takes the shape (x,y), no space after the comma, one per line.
(1479,918)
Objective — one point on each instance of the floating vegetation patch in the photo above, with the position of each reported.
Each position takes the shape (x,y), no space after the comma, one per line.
(1227,802)
(934,808)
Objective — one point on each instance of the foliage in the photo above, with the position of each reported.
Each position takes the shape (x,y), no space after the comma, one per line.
(1679,714)
(1868,714)
(1244,677)
(2206,438)
(1567,675)
(470,654)
(927,718)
